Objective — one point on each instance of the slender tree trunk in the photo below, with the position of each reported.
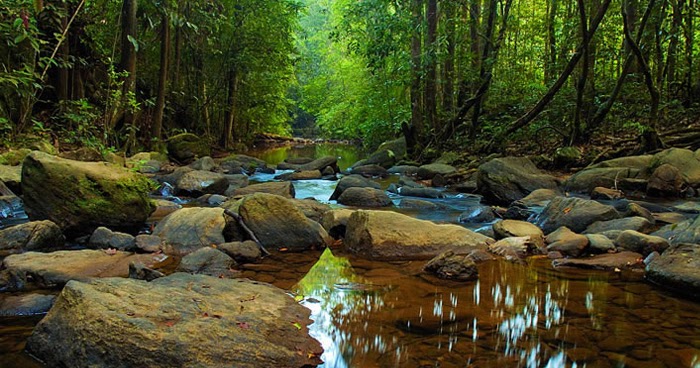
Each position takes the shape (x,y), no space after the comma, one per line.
(128,58)
(230,121)
(157,126)
(486,67)
(551,58)
(63,89)
(672,54)
(415,132)
(689,44)
(449,65)
(581,86)
(467,86)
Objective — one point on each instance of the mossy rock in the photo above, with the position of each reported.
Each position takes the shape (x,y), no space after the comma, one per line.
(14,157)
(186,147)
(84,195)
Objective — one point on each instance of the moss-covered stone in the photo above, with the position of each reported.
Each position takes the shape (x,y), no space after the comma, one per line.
(14,157)
(186,147)
(84,195)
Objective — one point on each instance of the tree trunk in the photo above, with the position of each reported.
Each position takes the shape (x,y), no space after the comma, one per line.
(128,58)
(157,126)
(581,86)
(672,54)
(229,123)
(449,65)
(551,58)
(486,67)
(431,67)
(415,132)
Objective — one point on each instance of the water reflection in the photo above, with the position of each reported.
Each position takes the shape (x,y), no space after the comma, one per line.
(388,315)
(346,154)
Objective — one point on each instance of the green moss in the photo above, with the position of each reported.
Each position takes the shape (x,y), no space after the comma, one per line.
(14,157)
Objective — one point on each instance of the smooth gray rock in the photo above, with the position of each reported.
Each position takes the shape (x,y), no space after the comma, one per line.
(678,269)
(628,223)
(104,238)
(641,243)
(575,213)
(504,180)
(365,197)
(31,236)
(207,261)
(352,181)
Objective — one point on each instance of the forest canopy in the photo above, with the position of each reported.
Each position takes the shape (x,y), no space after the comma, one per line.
(126,75)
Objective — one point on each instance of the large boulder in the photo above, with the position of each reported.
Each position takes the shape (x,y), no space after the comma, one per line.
(687,231)
(636,223)
(278,223)
(31,236)
(284,189)
(431,170)
(683,159)
(320,164)
(176,321)
(84,195)
(352,181)
(33,270)
(189,229)
(187,147)
(610,174)
(678,268)
(641,243)
(198,182)
(666,181)
(387,154)
(393,236)
(575,213)
(365,197)
(504,180)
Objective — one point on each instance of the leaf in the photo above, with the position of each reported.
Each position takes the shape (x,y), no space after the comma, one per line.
(20,38)
(134,42)
(297,325)
(298,298)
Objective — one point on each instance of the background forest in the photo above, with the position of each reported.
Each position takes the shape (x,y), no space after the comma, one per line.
(470,74)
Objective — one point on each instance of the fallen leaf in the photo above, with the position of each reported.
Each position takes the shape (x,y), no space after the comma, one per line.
(298,298)
(243,325)
(567,210)
(297,325)
(283,249)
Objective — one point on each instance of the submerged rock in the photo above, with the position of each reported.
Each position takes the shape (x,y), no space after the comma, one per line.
(393,236)
(176,321)
(459,267)
(609,262)
(25,305)
(678,269)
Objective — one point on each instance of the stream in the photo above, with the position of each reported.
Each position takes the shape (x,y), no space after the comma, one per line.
(391,314)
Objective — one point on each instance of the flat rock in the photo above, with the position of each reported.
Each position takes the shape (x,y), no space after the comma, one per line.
(207,261)
(678,269)
(641,243)
(53,270)
(628,223)
(176,321)
(284,189)
(609,262)
(300,175)
(25,305)
(365,197)
(31,236)
(393,236)
(575,213)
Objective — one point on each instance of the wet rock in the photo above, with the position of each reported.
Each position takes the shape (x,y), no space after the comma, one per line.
(429,171)
(365,197)
(504,180)
(25,305)
(211,200)
(205,163)
(515,228)
(335,222)
(609,262)
(575,213)
(284,189)
(669,218)
(678,269)
(420,192)
(477,214)
(84,195)
(311,208)
(468,186)
(598,243)
(31,236)
(370,171)
(513,249)
(189,229)
(352,181)
(235,181)
(628,223)
(242,252)
(518,211)
(321,163)
(104,238)
(666,181)
(419,204)
(391,236)
(186,147)
(450,266)
(403,170)
(606,194)
(610,174)
(139,271)
(539,197)
(683,159)
(641,243)
(181,321)
(687,231)
(207,261)
(34,270)
(567,242)
(634,209)
(300,175)
(277,223)
(197,183)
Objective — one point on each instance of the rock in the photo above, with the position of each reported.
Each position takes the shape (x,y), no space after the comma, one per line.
(335,222)
(598,243)
(393,236)
(641,243)
(104,238)
(139,271)
(84,195)
(189,229)
(164,208)
(288,166)
(608,262)
(85,154)
(365,197)
(678,269)
(687,231)
(284,189)
(321,163)
(14,157)
(566,242)
(635,210)
(403,170)
(172,177)
(211,200)
(666,181)
(370,171)
(31,236)
(606,194)
(177,321)
(196,183)
(669,218)
(575,213)
(518,211)
(278,224)
(420,192)
(628,223)
(688,207)
(207,261)
(513,249)
(236,181)
(205,163)
(477,214)
(33,270)
(329,173)
(242,252)
(311,208)
(397,147)
(566,156)
(298,160)
(352,181)
(186,147)
(608,177)
(12,177)
(683,159)
(25,305)
(385,157)
(300,175)
(419,204)
(539,197)
(450,266)
(515,228)
(429,171)
(149,243)
(504,180)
